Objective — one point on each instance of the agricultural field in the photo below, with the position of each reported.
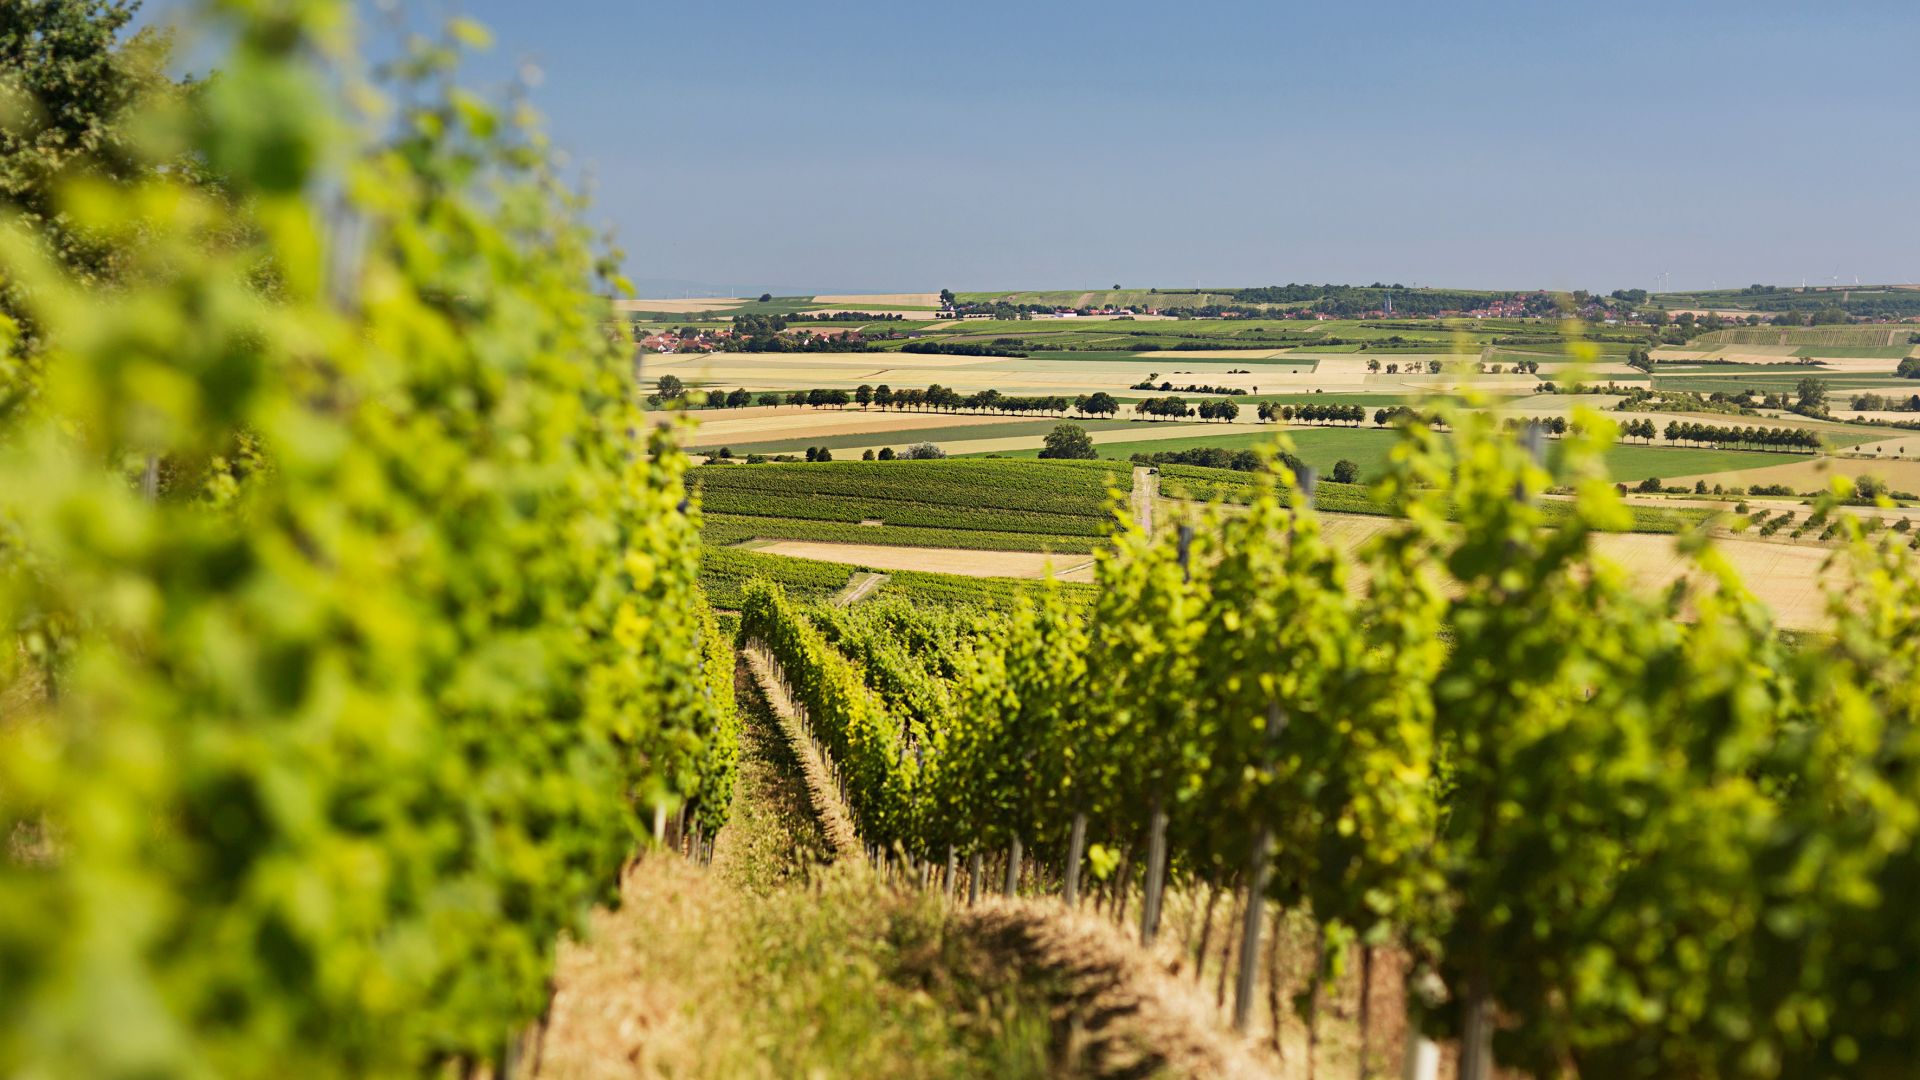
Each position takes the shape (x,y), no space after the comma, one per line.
(386,690)
(1877,336)
(960,504)
(1768,383)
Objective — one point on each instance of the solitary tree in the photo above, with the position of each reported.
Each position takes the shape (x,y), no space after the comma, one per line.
(1346,472)
(1068,441)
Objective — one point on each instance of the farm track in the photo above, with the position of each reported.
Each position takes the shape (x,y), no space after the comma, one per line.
(859,589)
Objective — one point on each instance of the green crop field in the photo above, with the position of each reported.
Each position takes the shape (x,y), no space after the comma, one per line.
(1630,463)
(1542,340)
(1369,447)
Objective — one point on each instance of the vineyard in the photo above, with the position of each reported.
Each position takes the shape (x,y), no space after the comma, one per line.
(1605,838)
(994,505)
(1843,336)
(381,697)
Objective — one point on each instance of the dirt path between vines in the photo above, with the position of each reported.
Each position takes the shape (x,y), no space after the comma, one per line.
(1123,1013)
(859,588)
(833,816)
(790,956)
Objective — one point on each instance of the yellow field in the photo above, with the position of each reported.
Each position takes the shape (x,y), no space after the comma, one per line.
(899,299)
(709,304)
(965,562)
(1900,473)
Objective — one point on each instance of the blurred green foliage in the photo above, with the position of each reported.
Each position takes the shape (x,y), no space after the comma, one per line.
(369,693)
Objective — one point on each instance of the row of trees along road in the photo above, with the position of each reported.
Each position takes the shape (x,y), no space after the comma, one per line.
(936,397)
(1612,840)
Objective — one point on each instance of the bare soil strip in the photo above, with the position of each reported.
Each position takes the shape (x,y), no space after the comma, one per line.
(858,588)
(1125,1015)
(826,801)
(966,562)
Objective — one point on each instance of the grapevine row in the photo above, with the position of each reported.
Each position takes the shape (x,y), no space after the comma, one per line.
(1626,834)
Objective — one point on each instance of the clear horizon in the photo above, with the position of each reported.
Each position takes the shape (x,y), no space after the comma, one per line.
(759,147)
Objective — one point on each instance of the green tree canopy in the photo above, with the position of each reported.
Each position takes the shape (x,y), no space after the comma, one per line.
(1068,441)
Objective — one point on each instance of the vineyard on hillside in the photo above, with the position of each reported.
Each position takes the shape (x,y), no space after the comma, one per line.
(369,645)
(1607,838)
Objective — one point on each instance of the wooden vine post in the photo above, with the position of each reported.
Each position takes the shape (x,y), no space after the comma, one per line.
(1076,854)
(1153,887)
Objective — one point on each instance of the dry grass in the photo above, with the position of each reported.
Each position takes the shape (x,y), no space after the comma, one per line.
(965,562)
(707,304)
(854,301)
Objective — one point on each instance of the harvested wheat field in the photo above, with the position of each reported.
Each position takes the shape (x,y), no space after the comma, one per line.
(895,299)
(1785,576)
(961,561)
(709,304)
(1900,473)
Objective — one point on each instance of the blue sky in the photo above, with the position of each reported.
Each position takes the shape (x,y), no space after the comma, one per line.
(893,146)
